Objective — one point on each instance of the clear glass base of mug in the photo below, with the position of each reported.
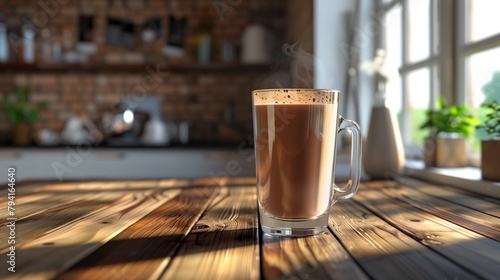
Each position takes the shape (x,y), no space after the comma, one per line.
(279,227)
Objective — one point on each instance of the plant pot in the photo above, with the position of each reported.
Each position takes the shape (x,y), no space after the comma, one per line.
(445,152)
(21,134)
(430,152)
(490,160)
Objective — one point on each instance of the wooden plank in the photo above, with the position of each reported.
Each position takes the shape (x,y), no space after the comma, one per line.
(466,217)
(224,243)
(224,181)
(99,185)
(25,184)
(319,256)
(28,188)
(37,197)
(384,251)
(62,247)
(468,249)
(458,196)
(143,250)
(30,205)
(42,221)
(439,176)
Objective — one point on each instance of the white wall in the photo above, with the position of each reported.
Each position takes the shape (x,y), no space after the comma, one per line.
(330,39)
(329,34)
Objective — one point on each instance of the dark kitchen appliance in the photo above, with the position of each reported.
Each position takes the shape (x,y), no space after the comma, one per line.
(132,124)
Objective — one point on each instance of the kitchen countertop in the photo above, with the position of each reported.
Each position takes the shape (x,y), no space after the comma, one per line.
(80,162)
(203,145)
(199,229)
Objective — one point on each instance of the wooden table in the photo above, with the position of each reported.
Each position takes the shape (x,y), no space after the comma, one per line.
(194,229)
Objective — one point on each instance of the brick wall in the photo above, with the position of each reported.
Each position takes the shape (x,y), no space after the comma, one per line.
(202,98)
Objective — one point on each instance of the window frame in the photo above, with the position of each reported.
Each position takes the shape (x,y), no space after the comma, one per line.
(434,61)
(448,64)
(466,49)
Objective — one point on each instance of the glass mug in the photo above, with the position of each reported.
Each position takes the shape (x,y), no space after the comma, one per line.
(295,134)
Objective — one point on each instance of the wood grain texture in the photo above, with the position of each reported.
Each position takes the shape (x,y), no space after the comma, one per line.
(223,181)
(466,217)
(24,187)
(468,249)
(471,200)
(314,257)
(226,235)
(384,251)
(54,212)
(41,200)
(38,197)
(81,186)
(31,204)
(143,250)
(63,246)
(99,185)
(207,228)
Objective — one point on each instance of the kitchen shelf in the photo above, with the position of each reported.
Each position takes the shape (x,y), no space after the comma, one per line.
(103,67)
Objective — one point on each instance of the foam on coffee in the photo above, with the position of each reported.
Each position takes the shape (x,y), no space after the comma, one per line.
(294,96)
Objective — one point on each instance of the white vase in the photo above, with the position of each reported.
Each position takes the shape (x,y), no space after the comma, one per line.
(383,153)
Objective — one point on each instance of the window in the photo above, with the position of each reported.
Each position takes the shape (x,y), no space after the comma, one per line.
(447,48)
(412,45)
(480,68)
(478,48)
(480,16)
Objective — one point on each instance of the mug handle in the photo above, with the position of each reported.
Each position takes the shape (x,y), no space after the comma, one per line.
(355,167)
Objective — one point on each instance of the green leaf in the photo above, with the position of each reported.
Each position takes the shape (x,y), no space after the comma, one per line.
(491,118)
(18,109)
(31,115)
(427,124)
(441,102)
(454,111)
(19,93)
(27,91)
(13,115)
(43,105)
(6,100)
(453,118)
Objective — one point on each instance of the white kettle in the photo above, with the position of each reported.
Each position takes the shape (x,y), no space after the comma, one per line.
(155,132)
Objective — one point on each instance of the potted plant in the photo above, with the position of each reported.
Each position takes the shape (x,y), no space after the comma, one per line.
(21,114)
(450,127)
(490,148)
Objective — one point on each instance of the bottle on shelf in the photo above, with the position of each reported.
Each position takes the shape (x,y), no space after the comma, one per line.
(203,42)
(28,44)
(4,44)
(56,52)
(46,47)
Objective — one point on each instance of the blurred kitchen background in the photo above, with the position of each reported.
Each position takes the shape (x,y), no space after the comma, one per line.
(91,61)
(168,76)
(88,56)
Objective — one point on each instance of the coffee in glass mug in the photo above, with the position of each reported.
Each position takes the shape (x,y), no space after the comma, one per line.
(295,133)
